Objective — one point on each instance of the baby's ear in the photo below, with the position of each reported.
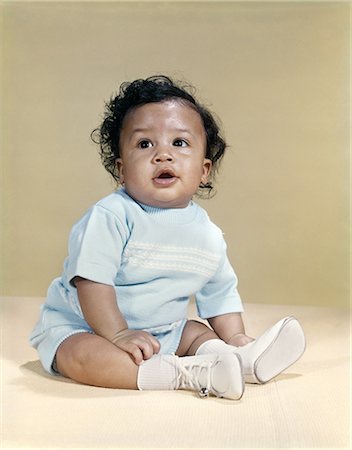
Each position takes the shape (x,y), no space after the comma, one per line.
(207,166)
(119,170)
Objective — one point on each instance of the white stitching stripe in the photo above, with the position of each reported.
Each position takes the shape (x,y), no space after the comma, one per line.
(136,245)
(160,257)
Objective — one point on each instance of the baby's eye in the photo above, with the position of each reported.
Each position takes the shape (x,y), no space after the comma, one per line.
(144,143)
(180,143)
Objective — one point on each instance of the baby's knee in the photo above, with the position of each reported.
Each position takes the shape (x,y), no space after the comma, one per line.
(194,334)
(71,356)
(199,329)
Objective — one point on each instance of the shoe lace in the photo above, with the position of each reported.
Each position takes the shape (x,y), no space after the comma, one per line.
(189,376)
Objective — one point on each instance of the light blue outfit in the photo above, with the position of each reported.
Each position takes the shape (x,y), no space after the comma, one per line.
(154,258)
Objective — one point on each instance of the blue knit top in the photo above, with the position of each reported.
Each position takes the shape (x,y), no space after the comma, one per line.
(155,259)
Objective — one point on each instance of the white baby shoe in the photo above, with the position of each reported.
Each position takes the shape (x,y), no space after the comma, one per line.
(220,375)
(272,352)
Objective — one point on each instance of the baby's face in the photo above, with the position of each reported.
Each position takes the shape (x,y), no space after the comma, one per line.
(162,149)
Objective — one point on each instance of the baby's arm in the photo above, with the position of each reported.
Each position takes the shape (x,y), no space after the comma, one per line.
(100,309)
(230,328)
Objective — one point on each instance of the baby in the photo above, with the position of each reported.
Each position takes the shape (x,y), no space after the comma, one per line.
(117,316)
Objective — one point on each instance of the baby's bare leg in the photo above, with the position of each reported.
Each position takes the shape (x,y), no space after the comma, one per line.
(194,334)
(93,360)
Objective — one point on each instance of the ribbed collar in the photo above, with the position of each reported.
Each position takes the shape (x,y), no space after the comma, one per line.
(168,216)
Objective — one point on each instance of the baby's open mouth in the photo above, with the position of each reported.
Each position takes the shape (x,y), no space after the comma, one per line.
(165,177)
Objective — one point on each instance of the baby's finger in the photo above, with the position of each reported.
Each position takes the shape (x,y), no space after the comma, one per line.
(146,348)
(155,344)
(153,341)
(136,354)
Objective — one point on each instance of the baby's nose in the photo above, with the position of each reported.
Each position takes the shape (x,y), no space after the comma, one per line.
(162,157)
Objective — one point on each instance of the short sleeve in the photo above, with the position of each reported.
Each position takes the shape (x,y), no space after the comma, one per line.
(220,296)
(95,247)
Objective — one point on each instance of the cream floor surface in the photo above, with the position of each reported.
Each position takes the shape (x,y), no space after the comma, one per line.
(307,407)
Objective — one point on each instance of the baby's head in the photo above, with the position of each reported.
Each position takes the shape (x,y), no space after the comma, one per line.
(154,90)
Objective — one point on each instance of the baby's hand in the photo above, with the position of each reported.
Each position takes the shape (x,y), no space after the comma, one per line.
(139,344)
(240,339)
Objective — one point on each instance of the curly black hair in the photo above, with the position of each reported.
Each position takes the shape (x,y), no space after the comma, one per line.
(154,89)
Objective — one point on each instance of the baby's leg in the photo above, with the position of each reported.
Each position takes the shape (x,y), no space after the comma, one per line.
(91,359)
(193,336)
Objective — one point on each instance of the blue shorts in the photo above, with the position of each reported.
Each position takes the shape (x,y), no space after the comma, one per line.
(55,326)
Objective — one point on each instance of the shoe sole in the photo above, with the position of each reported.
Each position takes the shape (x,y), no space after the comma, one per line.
(242,377)
(287,347)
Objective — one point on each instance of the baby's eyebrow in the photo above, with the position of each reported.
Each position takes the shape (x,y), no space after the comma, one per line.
(140,130)
(183,130)
(146,129)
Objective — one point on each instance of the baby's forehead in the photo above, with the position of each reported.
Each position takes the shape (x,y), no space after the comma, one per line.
(174,108)
(164,104)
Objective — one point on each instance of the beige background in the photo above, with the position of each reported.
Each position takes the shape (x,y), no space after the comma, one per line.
(275,73)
